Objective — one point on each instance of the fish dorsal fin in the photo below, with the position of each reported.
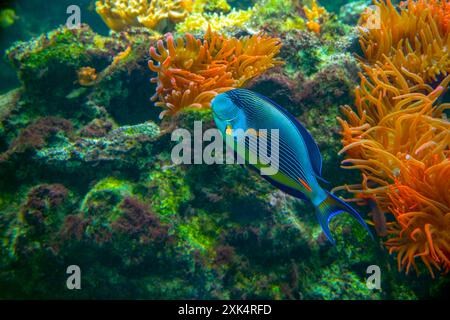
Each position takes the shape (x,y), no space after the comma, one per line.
(313,150)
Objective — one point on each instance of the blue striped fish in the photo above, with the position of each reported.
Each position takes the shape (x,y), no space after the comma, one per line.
(299,160)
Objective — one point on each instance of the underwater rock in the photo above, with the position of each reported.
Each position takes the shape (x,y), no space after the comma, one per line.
(301,50)
(36,135)
(8,107)
(49,69)
(43,211)
(96,128)
(140,223)
(332,84)
(51,60)
(125,146)
(123,87)
(50,144)
(108,210)
(280,87)
(349,13)
(34,228)
(333,284)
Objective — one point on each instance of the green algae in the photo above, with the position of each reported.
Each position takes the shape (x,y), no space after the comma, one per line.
(168,191)
(109,186)
(7,17)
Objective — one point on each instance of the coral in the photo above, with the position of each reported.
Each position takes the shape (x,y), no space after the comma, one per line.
(186,15)
(87,76)
(277,15)
(398,135)
(211,5)
(315,15)
(191,72)
(153,14)
(236,19)
(217,15)
(122,55)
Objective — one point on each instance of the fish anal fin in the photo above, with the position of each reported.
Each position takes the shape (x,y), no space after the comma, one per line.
(290,191)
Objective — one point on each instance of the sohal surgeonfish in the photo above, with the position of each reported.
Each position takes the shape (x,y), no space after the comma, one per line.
(241,113)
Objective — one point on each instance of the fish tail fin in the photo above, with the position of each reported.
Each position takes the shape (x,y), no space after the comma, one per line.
(332,206)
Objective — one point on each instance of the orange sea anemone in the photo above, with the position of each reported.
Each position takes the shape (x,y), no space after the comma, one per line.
(416,38)
(402,149)
(190,72)
(439,9)
(398,134)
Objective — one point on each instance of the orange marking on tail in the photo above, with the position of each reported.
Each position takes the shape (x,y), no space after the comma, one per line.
(305,184)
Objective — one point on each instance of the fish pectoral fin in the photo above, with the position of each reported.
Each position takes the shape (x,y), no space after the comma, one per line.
(229,129)
(306,185)
(255,133)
